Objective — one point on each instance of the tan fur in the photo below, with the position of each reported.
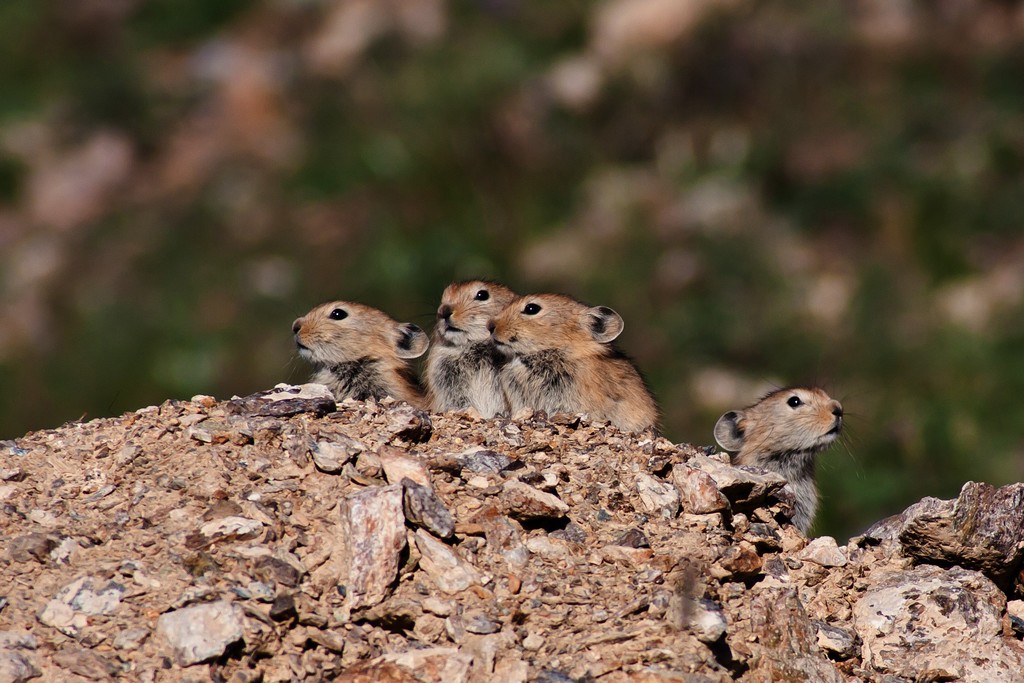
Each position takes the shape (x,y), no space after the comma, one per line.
(782,437)
(462,368)
(561,359)
(363,355)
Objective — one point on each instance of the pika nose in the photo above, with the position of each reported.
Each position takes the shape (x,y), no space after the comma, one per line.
(837,410)
(296,325)
(490,326)
(445,311)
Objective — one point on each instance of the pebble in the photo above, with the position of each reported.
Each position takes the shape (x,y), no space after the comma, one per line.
(201,632)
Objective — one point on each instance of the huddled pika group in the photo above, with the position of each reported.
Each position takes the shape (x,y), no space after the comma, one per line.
(500,354)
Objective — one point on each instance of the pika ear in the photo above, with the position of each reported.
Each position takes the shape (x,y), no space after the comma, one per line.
(604,323)
(412,341)
(728,432)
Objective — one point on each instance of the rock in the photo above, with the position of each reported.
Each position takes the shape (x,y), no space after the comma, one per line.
(841,643)
(657,496)
(786,648)
(398,467)
(524,502)
(476,621)
(982,529)
(231,528)
(741,485)
(283,608)
(35,546)
(740,560)
(447,570)
(698,491)
(373,529)
(16,667)
(824,551)
(423,508)
(408,423)
(633,538)
(702,617)
(285,400)
(60,616)
(201,632)
(85,663)
(926,622)
(331,456)
(482,461)
(131,639)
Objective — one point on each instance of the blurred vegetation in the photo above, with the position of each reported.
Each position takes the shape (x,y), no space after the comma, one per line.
(770,193)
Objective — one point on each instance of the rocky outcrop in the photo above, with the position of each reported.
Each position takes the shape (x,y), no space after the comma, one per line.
(283,537)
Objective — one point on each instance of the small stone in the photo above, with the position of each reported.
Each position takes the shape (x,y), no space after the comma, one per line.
(230,529)
(441,608)
(698,492)
(571,532)
(633,538)
(283,608)
(284,401)
(331,456)
(448,571)
(60,616)
(823,551)
(627,556)
(35,546)
(423,508)
(1015,608)
(86,663)
(131,639)
(741,485)
(373,529)
(264,592)
(533,641)
(16,667)
(18,640)
(484,461)
(740,560)
(201,632)
(408,423)
(476,621)
(330,640)
(707,621)
(658,497)
(524,502)
(398,467)
(838,641)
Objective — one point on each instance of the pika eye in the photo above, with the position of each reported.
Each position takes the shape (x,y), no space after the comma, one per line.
(482,295)
(531,309)
(338,314)
(794,402)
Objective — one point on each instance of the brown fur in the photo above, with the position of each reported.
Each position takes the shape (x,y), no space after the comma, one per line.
(561,359)
(462,368)
(776,435)
(363,355)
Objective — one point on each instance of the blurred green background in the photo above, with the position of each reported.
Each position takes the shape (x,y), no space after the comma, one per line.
(768,192)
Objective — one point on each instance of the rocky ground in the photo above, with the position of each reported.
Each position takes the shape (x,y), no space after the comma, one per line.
(282,537)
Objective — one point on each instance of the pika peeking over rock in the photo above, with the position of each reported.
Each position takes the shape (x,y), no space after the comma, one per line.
(559,357)
(784,432)
(360,352)
(462,367)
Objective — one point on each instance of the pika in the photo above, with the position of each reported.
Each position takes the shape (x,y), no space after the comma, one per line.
(462,367)
(360,352)
(559,357)
(783,432)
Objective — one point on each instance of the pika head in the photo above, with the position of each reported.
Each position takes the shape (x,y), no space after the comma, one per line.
(530,324)
(465,309)
(794,420)
(342,332)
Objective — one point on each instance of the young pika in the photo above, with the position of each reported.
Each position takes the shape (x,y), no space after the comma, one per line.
(783,432)
(462,367)
(559,357)
(360,352)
